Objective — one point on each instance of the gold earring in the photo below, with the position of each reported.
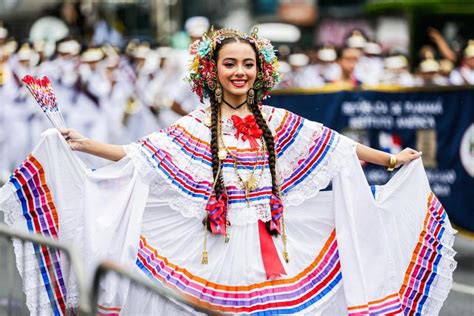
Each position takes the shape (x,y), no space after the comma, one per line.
(218,93)
(251,96)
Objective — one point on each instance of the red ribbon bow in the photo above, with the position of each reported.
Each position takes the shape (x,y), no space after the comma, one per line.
(217,211)
(249,129)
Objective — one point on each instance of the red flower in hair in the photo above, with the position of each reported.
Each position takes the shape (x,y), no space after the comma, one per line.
(208,69)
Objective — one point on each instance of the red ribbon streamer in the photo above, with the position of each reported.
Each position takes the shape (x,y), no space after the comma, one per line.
(217,211)
(276,207)
(271,262)
(248,128)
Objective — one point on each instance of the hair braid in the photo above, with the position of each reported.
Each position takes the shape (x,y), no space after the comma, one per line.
(270,143)
(214,152)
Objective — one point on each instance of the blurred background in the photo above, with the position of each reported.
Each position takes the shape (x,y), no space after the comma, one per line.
(388,73)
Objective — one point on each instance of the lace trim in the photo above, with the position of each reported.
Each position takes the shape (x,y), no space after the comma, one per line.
(195,207)
(37,299)
(238,215)
(320,178)
(10,205)
(248,215)
(292,156)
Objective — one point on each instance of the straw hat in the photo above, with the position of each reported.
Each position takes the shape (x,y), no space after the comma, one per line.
(396,62)
(92,55)
(298,60)
(71,47)
(429,65)
(356,40)
(327,54)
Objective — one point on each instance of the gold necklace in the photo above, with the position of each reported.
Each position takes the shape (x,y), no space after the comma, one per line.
(251,183)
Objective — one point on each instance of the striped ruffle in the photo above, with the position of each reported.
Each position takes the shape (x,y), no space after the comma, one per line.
(428,278)
(309,289)
(389,305)
(181,156)
(40,214)
(107,311)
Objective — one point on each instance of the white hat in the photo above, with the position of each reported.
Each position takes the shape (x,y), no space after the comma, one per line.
(429,65)
(141,51)
(396,62)
(25,52)
(196,26)
(446,65)
(356,40)
(372,48)
(298,60)
(327,54)
(69,47)
(92,55)
(3,32)
(469,50)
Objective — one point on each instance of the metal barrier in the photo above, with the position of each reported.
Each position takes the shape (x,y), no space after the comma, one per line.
(16,306)
(176,302)
(15,303)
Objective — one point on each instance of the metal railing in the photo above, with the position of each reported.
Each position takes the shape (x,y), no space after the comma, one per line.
(88,295)
(170,297)
(34,239)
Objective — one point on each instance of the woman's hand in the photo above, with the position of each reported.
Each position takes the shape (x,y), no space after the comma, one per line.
(74,138)
(382,158)
(407,155)
(80,143)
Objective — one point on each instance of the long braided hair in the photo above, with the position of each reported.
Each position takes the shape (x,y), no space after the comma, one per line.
(267,136)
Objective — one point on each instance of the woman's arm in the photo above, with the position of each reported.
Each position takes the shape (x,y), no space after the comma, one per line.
(379,157)
(79,143)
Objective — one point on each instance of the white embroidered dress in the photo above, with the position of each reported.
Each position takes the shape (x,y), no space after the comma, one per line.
(352,250)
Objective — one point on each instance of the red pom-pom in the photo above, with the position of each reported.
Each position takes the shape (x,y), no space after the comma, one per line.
(28,79)
(45,81)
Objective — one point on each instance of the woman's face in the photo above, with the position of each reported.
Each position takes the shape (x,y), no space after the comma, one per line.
(236,70)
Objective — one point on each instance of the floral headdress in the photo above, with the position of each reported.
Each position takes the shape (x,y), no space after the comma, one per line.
(203,68)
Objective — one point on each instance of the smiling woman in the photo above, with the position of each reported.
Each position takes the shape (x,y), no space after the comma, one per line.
(237,71)
(227,207)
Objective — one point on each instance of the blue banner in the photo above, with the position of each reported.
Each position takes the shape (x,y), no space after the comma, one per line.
(438,123)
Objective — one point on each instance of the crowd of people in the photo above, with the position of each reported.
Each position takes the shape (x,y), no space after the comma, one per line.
(361,62)
(120,95)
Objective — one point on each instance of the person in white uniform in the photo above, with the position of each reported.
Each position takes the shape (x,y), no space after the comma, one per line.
(464,75)
(396,71)
(302,75)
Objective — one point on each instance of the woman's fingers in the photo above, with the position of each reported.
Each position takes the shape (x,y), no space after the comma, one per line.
(414,154)
(72,137)
(407,155)
(64,131)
